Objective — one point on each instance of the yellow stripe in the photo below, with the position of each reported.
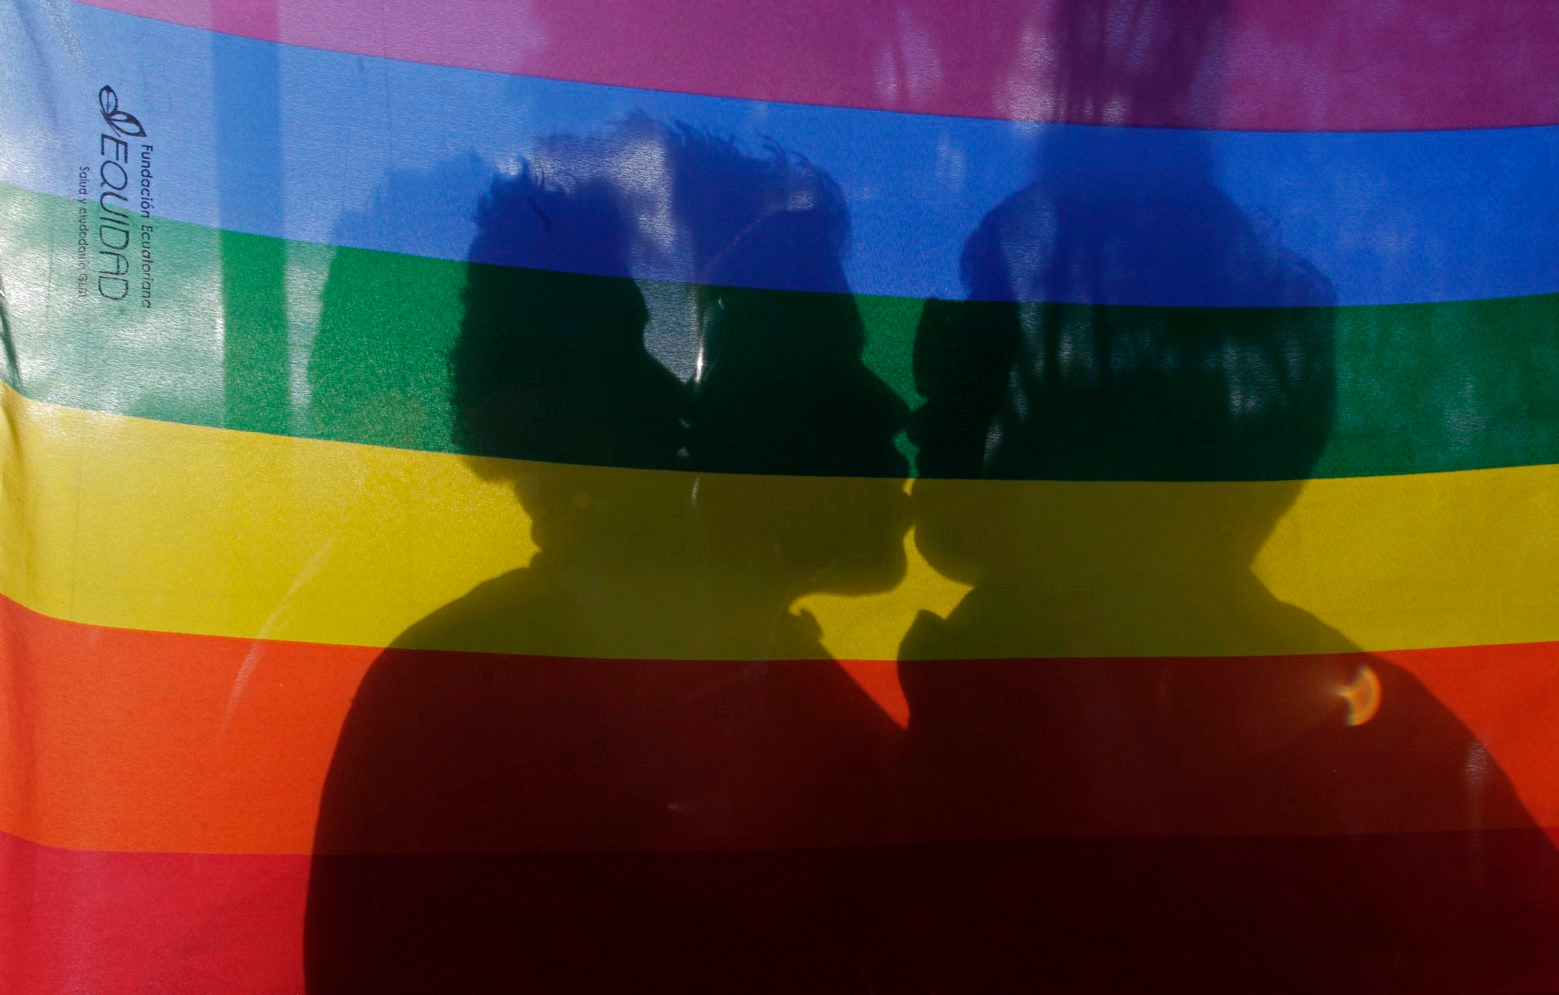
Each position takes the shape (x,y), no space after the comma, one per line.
(126,522)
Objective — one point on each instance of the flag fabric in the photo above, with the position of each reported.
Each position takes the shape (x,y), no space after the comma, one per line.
(684,495)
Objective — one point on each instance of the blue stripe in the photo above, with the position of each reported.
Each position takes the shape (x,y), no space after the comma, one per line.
(395,156)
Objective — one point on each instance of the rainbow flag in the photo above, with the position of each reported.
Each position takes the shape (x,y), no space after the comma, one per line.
(687,495)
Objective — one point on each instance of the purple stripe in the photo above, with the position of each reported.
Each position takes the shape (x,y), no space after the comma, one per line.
(1228,64)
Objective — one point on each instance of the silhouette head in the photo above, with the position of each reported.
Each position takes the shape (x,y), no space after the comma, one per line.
(780,384)
(1101,392)
(551,366)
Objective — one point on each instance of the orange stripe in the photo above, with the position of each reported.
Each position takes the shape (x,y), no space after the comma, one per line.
(124,740)
(127,740)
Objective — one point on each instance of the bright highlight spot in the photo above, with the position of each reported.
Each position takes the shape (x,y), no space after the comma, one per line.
(1362,695)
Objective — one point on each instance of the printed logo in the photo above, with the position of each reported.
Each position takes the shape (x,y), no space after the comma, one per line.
(122,250)
(123,122)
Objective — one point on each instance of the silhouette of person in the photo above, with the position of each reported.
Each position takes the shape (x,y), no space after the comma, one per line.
(457,762)
(1094,818)
(583,823)
(1236,822)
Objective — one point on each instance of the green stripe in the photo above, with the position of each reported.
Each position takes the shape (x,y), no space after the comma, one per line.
(798,383)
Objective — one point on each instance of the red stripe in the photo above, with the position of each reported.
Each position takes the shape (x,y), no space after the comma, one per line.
(1242,64)
(92,922)
(1454,913)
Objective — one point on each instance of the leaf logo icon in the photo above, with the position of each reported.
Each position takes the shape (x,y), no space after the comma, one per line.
(123,122)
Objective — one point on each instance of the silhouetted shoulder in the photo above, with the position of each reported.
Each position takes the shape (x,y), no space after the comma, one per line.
(513,607)
(1294,626)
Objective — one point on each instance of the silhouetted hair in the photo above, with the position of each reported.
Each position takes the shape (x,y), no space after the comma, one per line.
(552,365)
